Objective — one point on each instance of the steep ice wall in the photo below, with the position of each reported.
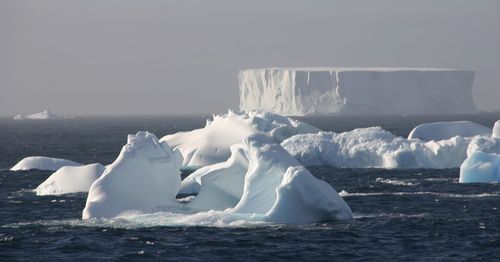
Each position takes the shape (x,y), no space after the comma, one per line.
(306,91)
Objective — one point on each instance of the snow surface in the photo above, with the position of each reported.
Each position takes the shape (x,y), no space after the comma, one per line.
(306,91)
(211,144)
(70,179)
(445,130)
(44,115)
(43,163)
(375,147)
(144,177)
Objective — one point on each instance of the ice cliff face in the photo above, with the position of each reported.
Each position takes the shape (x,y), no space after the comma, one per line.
(307,91)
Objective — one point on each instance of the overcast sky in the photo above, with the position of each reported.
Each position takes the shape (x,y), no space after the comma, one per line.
(110,57)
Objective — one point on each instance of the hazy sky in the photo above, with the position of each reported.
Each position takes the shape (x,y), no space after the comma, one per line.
(108,57)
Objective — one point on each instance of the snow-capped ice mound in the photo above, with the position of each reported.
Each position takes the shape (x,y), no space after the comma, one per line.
(480,168)
(445,130)
(70,179)
(304,91)
(44,115)
(210,145)
(144,177)
(43,163)
(496,129)
(272,186)
(375,147)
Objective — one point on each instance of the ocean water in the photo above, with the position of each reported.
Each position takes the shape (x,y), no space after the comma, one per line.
(420,214)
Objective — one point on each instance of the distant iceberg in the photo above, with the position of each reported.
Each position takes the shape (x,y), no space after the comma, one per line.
(357,91)
(211,144)
(446,130)
(42,163)
(44,115)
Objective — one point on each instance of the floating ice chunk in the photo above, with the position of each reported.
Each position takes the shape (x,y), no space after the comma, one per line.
(274,187)
(480,167)
(144,177)
(210,145)
(374,147)
(43,163)
(446,130)
(496,129)
(70,179)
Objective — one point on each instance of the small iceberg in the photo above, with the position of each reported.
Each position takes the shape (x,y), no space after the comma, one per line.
(70,179)
(43,163)
(44,115)
(445,130)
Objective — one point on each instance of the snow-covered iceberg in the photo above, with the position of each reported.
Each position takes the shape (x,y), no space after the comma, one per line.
(211,144)
(70,179)
(305,91)
(260,182)
(144,177)
(480,167)
(446,130)
(483,160)
(269,186)
(375,147)
(42,163)
(44,115)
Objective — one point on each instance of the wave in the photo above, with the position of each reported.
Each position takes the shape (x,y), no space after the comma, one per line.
(396,182)
(344,193)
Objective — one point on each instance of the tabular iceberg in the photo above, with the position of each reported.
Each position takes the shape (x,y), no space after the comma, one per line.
(446,130)
(70,179)
(306,91)
(42,163)
(211,144)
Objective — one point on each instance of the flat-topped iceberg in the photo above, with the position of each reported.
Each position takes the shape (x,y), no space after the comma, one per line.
(210,145)
(70,179)
(306,91)
(145,176)
(44,115)
(446,130)
(375,147)
(42,163)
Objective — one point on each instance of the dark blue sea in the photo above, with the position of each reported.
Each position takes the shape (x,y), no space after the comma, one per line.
(414,215)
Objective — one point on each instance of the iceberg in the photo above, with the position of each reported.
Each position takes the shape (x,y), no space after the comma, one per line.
(446,130)
(260,182)
(480,167)
(44,115)
(42,163)
(211,144)
(273,188)
(496,129)
(144,177)
(349,91)
(375,147)
(483,160)
(70,179)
